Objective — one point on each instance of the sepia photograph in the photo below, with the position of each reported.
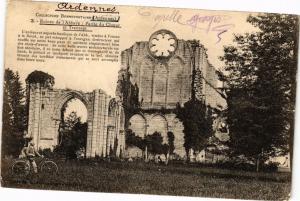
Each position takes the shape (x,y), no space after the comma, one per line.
(149,100)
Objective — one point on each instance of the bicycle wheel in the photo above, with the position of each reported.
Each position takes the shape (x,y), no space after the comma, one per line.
(49,167)
(20,168)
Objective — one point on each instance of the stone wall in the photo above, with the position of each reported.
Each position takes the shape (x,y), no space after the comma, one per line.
(211,96)
(45,115)
(146,124)
(163,83)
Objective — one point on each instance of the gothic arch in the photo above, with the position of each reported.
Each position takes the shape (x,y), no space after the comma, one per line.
(158,123)
(146,79)
(160,115)
(177,57)
(59,105)
(64,98)
(45,117)
(177,80)
(138,123)
(160,80)
(122,118)
(112,107)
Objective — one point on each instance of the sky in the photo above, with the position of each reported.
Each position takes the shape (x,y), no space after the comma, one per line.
(75,105)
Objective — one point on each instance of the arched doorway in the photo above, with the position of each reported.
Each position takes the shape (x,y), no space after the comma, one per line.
(46,116)
(158,123)
(73,126)
(137,124)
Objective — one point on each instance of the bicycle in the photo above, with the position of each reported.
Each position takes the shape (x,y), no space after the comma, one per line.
(23,167)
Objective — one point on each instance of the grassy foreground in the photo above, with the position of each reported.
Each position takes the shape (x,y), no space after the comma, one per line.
(141,178)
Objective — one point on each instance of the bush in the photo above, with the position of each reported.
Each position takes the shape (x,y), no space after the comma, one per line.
(60,152)
(270,167)
(235,165)
(133,140)
(46,152)
(55,153)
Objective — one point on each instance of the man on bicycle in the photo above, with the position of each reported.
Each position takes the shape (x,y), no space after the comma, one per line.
(30,152)
(26,144)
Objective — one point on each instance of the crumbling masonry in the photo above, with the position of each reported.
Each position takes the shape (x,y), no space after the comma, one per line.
(104,118)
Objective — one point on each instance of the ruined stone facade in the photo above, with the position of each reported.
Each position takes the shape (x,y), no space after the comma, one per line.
(156,83)
(164,82)
(105,118)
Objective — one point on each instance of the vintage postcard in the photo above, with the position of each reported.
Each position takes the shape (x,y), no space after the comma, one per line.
(148,100)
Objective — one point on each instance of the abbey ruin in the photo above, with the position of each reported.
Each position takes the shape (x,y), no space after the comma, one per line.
(104,119)
(160,74)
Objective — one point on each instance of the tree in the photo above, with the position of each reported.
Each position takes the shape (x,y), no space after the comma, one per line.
(260,70)
(74,136)
(155,144)
(195,114)
(197,122)
(14,118)
(40,77)
(129,94)
(171,138)
(132,140)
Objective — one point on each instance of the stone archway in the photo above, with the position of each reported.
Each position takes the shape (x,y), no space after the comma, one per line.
(59,115)
(45,115)
(138,125)
(158,123)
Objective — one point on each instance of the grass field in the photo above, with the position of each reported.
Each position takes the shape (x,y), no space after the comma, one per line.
(174,179)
